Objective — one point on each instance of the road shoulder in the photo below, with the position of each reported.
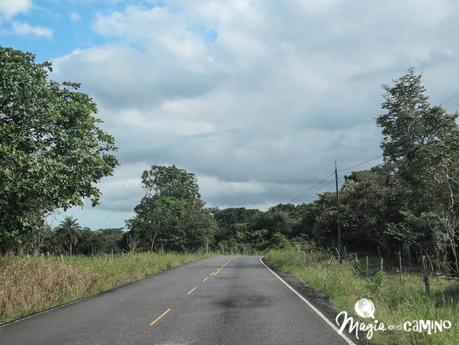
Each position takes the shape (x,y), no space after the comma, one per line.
(318,299)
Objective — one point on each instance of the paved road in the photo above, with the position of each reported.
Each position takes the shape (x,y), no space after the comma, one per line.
(236,301)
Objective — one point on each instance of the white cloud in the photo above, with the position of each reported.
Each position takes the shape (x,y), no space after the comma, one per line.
(74,16)
(258,98)
(25,29)
(9,8)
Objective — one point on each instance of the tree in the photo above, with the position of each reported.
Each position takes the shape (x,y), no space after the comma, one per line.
(171,215)
(101,241)
(52,150)
(130,241)
(403,124)
(154,216)
(422,143)
(170,181)
(70,232)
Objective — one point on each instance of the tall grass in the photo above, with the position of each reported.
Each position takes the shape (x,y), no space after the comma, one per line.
(395,301)
(31,284)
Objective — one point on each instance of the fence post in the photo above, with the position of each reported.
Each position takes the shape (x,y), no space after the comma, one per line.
(426,275)
(400,263)
(366,262)
(381,264)
(338,253)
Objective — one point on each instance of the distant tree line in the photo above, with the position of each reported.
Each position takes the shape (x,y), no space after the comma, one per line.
(70,238)
(52,154)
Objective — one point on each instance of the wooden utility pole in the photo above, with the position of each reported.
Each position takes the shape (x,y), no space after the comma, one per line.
(337,210)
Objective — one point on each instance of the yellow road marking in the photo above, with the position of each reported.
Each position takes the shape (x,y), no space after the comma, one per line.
(213,274)
(226,263)
(160,317)
(191,291)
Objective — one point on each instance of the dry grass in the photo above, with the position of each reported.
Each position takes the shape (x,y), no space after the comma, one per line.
(31,284)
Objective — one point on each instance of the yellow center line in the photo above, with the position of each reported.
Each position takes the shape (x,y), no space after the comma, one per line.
(226,263)
(160,317)
(191,291)
(213,274)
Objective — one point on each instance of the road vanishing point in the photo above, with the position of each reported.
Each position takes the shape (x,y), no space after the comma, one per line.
(221,300)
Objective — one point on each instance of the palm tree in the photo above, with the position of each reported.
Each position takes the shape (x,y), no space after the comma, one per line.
(70,230)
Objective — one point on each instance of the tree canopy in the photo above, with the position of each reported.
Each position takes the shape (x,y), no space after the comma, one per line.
(52,149)
(171,215)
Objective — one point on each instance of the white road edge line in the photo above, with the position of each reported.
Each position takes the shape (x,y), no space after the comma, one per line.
(349,341)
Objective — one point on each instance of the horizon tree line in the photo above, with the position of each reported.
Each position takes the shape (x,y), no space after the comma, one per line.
(53,153)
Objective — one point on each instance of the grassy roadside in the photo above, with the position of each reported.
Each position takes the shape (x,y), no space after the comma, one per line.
(395,302)
(31,284)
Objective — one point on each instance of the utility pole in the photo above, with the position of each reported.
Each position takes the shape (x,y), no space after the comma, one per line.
(337,212)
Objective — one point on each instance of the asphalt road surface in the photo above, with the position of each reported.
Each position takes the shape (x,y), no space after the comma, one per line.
(217,301)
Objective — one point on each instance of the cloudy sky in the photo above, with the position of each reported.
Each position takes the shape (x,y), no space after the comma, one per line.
(256,97)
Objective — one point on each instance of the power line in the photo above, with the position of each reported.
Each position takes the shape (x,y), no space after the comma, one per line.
(355,165)
(311,188)
(332,180)
(361,163)
(449,99)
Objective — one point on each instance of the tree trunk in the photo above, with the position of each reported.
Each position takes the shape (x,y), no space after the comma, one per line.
(152,242)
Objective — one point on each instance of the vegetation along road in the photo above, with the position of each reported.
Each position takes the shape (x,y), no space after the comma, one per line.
(219,300)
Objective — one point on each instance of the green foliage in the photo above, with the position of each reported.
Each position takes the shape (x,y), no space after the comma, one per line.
(404,124)
(52,151)
(171,215)
(408,203)
(377,281)
(96,242)
(246,230)
(70,232)
(421,141)
(170,181)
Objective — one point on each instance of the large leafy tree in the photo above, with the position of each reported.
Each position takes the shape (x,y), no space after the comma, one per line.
(157,218)
(171,215)
(52,149)
(422,143)
(170,181)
